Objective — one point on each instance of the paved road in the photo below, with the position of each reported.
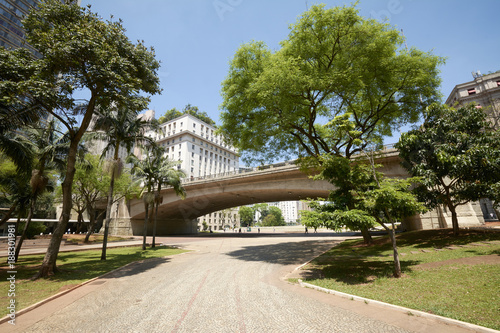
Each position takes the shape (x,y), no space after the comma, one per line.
(227,284)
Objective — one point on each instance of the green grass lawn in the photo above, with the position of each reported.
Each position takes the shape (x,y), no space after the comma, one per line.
(75,268)
(453,277)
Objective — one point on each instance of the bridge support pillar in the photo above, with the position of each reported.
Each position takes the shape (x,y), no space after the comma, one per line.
(469,215)
(131,227)
(165,227)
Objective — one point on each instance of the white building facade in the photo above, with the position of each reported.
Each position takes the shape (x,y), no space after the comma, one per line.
(196,145)
(201,152)
(484,90)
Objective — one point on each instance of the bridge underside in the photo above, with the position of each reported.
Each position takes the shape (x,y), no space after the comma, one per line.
(287,183)
(177,216)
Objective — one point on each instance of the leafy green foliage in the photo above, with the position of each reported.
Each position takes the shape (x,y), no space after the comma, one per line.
(33,230)
(80,53)
(457,156)
(246,216)
(188,109)
(338,83)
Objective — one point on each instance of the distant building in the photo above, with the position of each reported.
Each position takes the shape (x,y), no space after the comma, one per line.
(195,143)
(484,90)
(291,210)
(202,153)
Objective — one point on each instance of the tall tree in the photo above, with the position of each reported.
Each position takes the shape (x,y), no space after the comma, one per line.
(457,155)
(120,129)
(337,84)
(154,169)
(167,174)
(363,198)
(80,53)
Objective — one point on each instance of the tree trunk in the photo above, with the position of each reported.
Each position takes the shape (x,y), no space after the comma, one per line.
(80,221)
(108,213)
(367,237)
(145,230)
(91,224)
(8,215)
(154,224)
(48,266)
(397,263)
(454,220)
(26,225)
(392,235)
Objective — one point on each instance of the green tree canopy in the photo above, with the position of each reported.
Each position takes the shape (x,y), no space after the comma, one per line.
(246,216)
(80,53)
(338,83)
(274,217)
(188,109)
(457,155)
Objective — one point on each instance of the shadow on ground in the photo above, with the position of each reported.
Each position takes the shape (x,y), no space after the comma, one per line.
(284,253)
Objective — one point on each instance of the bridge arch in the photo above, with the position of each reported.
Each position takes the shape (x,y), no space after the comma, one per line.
(281,182)
(204,196)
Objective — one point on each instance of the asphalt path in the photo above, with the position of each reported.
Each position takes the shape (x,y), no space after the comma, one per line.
(227,283)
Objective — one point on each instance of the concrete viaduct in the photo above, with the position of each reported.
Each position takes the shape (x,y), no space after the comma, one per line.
(278,182)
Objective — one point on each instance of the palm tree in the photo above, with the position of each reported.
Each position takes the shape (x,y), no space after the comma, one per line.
(155,169)
(167,174)
(120,128)
(144,169)
(50,151)
(17,194)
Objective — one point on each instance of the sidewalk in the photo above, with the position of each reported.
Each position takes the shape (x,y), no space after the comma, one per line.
(137,241)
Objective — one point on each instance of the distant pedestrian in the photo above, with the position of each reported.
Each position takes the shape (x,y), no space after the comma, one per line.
(259,230)
(307,231)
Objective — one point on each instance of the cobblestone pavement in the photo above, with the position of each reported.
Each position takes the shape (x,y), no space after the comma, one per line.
(225,285)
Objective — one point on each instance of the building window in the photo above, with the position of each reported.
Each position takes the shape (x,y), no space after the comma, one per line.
(471,91)
(498,83)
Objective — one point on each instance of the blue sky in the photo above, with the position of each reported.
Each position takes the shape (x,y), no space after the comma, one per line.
(196,39)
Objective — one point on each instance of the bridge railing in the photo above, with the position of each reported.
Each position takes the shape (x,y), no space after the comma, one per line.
(240,171)
(254,169)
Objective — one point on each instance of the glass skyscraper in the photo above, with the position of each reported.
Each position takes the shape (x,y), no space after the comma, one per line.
(11,14)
